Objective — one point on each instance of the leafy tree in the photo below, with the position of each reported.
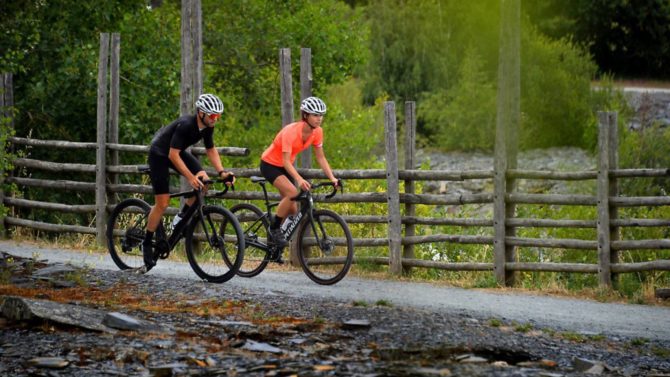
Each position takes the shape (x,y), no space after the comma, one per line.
(242,52)
(416,46)
(626,38)
(445,54)
(457,129)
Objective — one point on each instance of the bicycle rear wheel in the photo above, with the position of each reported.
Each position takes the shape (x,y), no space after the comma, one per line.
(215,245)
(125,232)
(327,255)
(255,227)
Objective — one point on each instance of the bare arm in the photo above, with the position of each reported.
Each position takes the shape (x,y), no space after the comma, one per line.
(215,159)
(323,163)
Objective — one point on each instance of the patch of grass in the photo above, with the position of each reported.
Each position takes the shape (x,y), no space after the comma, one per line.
(550,332)
(573,336)
(383,302)
(597,337)
(77,277)
(638,342)
(360,303)
(661,352)
(495,322)
(523,327)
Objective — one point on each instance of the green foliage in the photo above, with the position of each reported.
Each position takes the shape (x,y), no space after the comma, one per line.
(555,92)
(626,38)
(443,115)
(605,98)
(446,55)
(645,148)
(55,87)
(242,42)
(416,46)
(18,33)
(150,73)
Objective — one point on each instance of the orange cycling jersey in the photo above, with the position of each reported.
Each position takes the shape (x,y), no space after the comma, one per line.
(289,139)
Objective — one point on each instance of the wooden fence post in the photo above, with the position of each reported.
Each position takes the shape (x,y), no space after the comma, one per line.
(306,91)
(101,163)
(286,91)
(410,149)
(186,86)
(613,147)
(286,86)
(393,189)
(507,123)
(114,91)
(603,223)
(7,119)
(196,35)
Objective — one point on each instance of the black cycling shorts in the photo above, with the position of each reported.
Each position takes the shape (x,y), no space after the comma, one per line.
(160,173)
(271,172)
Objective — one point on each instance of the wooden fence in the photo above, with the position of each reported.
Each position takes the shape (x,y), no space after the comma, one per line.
(400,254)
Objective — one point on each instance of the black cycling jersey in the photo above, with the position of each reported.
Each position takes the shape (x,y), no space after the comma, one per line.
(181,134)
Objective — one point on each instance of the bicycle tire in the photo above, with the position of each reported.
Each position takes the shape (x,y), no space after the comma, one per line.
(125,232)
(255,226)
(225,245)
(330,260)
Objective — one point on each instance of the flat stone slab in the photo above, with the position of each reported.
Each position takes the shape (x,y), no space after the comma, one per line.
(25,309)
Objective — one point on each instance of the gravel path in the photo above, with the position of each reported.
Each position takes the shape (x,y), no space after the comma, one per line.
(559,313)
(283,324)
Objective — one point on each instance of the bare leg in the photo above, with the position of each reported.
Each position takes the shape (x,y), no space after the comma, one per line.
(157,211)
(287,191)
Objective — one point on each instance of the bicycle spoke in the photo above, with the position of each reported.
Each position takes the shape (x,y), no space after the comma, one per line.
(325,248)
(255,227)
(213,245)
(125,233)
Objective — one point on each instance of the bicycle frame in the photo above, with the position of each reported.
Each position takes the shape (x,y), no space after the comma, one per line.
(178,232)
(304,214)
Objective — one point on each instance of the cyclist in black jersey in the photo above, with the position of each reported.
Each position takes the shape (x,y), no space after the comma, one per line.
(168,150)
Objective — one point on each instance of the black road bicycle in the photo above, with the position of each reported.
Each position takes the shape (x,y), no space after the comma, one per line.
(325,246)
(213,236)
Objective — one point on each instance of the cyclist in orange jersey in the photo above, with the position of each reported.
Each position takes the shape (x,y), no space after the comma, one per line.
(277,160)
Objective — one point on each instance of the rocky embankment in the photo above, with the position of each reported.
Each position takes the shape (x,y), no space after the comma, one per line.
(61,320)
(551,159)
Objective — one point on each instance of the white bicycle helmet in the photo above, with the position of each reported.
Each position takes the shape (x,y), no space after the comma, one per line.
(313,105)
(209,103)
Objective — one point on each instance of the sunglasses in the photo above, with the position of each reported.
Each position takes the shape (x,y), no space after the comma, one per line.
(214,116)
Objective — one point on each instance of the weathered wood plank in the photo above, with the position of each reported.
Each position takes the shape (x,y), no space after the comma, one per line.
(555,175)
(60,228)
(393,189)
(34,204)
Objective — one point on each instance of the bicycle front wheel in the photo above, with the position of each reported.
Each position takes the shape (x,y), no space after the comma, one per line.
(325,247)
(125,232)
(255,227)
(215,245)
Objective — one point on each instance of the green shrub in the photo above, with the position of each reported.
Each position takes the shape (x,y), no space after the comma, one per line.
(463,116)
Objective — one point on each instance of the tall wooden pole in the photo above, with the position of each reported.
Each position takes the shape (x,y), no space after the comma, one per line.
(306,91)
(392,189)
(101,162)
(286,86)
(410,149)
(506,143)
